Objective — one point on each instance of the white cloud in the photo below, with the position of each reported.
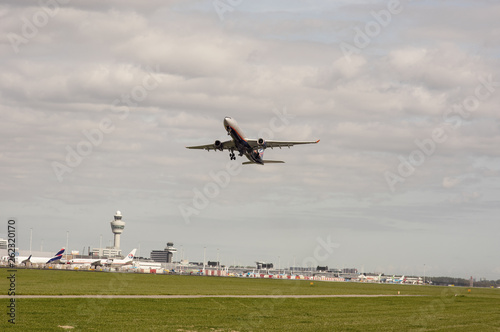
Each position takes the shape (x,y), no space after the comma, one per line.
(367,112)
(450,182)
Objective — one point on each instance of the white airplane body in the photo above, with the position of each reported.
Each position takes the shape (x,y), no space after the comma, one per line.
(85,261)
(397,280)
(414,280)
(370,278)
(126,261)
(253,149)
(37,260)
(104,262)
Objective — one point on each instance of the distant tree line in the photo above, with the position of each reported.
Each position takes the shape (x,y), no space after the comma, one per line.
(445,281)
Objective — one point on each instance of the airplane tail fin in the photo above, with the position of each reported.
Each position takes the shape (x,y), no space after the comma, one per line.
(57,256)
(27,260)
(131,255)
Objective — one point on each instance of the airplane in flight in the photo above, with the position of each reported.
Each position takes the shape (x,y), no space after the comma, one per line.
(104,262)
(251,148)
(25,260)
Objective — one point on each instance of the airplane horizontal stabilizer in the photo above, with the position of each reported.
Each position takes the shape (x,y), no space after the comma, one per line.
(265,162)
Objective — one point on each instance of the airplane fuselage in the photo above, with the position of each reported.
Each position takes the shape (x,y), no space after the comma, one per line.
(239,138)
(32,260)
(101,262)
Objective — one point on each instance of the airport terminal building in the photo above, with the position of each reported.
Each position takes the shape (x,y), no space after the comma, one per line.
(165,255)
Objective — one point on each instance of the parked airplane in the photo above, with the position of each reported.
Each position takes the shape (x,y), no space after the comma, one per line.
(105,261)
(370,278)
(397,280)
(120,262)
(413,280)
(253,149)
(86,261)
(37,260)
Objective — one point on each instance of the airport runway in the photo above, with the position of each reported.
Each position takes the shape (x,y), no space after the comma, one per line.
(190,296)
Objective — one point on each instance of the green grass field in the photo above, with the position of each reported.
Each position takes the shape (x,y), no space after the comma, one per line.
(441,309)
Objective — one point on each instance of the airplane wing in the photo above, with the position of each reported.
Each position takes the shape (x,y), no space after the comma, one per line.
(96,263)
(218,145)
(278,144)
(265,162)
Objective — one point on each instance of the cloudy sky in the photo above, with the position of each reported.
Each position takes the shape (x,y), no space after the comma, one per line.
(99,99)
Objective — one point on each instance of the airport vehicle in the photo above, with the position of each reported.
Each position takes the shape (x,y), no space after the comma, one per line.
(104,262)
(25,260)
(253,149)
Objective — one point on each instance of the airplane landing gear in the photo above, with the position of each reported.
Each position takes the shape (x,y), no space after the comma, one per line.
(232,156)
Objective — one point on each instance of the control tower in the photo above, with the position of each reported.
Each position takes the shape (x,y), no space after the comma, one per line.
(117,227)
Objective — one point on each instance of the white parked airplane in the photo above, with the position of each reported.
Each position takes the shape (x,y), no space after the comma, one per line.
(37,260)
(106,262)
(397,280)
(86,261)
(120,262)
(370,278)
(253,149)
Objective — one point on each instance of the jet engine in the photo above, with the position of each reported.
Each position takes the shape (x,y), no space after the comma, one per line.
(261,142)
(218,145)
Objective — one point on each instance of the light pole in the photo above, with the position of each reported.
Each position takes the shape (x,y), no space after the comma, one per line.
(424,274)
(204,254)
(100,246)
(31,238)
(218,259)
(67,240)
